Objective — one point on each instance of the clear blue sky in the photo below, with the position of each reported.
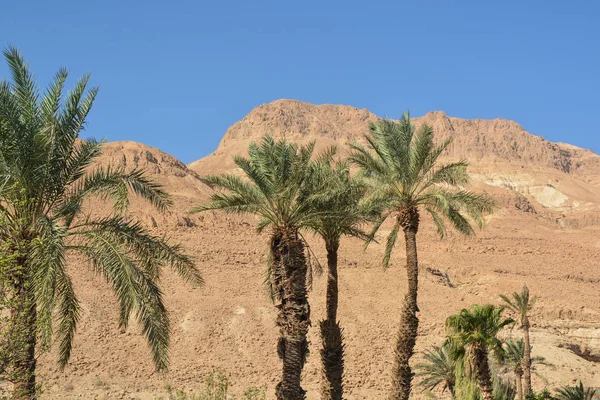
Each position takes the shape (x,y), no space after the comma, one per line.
(177,74)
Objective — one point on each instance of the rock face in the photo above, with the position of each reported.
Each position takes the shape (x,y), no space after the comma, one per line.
(137,155)
(183,184)
(556,176)
(478,140)
(523,204)
(294,120)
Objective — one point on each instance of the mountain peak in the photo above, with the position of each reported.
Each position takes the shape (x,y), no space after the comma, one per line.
(478,140)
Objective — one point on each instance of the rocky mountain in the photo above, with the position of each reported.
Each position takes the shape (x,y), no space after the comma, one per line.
(502,153)
(497,140)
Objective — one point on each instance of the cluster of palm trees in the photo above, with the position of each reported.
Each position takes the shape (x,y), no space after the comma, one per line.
(48,175)
(472,361)
(292,191)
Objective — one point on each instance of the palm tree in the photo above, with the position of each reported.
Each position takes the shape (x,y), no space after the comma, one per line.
(47,176)
(520,305)
(438,370)
(275,190)
(514,353)
(578,392)
(472,338)
(408,178)
(338,199)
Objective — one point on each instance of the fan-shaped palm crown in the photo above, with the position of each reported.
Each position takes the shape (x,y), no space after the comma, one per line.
(471,338)
(476,327)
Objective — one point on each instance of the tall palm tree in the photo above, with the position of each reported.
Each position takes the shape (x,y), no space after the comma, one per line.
(514,353)
(520,305)
(472,338)
(578,392)
(439,369)
(275,190)
(404,166)
(338,199)
(47,176)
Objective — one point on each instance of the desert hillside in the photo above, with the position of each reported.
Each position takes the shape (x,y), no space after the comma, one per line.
(480,141)
(546,234)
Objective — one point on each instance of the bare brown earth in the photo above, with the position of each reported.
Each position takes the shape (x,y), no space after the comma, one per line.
(545,234)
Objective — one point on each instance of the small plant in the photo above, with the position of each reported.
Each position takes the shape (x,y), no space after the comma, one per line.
(543,395)
(217,385)
(100,384)
(255,393)
(216,388)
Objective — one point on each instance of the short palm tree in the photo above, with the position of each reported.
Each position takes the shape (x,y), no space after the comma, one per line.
(275,189)
(578,392)
(438,370)
(472,338)
(520,304)
(46,178)
(403,164)
(514,353)
(338,198)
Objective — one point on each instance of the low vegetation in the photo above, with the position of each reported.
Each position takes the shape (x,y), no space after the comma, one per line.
(217,386)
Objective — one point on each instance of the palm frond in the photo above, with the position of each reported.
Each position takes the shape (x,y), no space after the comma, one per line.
(151,252)
(438,222)
(114,183)
(390,243)
(24,88)
(135,290)
(578,392)
(47,261)
(520,304)
(438,369)
(68,315)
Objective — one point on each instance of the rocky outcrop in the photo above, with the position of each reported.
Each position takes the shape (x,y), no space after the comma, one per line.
(497,140)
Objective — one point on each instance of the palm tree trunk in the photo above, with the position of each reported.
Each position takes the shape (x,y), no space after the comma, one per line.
(288,278)
(526,362)
(520,386)
(483,373)
(23,315)
(332,352)
(409,323)
(332,279)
